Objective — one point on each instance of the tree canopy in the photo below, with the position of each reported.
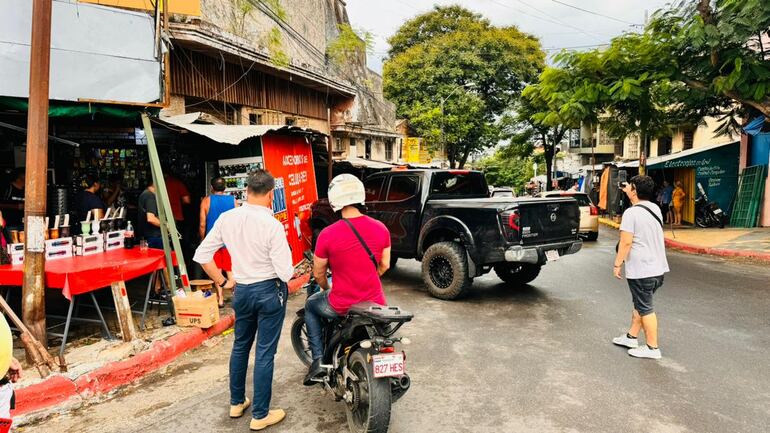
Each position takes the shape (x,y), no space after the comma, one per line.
(454,59)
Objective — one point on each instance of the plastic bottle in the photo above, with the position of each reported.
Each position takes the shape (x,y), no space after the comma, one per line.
(128,241)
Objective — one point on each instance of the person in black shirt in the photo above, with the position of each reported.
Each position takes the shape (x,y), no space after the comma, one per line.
(88,199)
(149,221)
(12,201)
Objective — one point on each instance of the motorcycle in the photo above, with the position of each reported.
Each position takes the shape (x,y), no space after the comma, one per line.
(363,367)
(708,213)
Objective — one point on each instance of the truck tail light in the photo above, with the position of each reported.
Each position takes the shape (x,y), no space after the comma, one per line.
(594,210)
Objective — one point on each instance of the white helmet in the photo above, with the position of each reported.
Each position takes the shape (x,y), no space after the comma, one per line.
(345,190)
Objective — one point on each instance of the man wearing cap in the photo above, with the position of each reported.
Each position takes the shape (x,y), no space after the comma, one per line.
(356,273)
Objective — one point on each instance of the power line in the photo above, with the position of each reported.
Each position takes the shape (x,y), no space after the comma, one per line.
(550,18)
(594,13)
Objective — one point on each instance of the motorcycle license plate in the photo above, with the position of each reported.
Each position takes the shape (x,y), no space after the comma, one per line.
(718,211)
(552,255)
(388,365)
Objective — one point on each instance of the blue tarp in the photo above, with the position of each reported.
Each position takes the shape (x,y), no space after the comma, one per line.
(760,149)
(755,126)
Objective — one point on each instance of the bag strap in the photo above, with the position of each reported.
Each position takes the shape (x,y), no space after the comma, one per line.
(360,239)
(653,214)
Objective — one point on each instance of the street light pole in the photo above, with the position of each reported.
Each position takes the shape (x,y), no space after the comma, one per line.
(33,291)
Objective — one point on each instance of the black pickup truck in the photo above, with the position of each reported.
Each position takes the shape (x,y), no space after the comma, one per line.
(446,219)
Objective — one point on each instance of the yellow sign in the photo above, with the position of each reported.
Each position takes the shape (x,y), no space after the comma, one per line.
(183,7)
(412,150)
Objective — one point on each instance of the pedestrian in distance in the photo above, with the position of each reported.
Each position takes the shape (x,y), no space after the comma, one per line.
(668,195)
(262,266)
(212,206)
(677,202)
(642,250)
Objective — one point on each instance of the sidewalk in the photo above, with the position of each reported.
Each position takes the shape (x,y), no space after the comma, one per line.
(729,242)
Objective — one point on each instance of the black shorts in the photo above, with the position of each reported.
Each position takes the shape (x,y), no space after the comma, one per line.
(642,290)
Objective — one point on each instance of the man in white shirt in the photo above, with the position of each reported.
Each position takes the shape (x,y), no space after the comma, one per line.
(642,248)
(262,265)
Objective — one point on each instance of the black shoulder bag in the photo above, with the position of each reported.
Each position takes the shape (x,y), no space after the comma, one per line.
(363,244)
(617,246)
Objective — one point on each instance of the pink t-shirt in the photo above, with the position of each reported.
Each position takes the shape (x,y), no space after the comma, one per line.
(354,277)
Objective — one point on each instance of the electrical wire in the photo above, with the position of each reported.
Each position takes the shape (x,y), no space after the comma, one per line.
(594,13)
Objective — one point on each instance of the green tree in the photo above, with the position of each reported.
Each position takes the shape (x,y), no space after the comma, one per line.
(453,75)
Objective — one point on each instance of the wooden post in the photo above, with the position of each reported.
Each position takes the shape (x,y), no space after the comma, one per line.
(33,292)
(123,310)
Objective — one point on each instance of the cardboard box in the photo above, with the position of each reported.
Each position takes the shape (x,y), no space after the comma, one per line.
(58,254)
(86,241)
(195,310)
(17,259)
(56,245)
(114,240)
(89,249)
(15,249)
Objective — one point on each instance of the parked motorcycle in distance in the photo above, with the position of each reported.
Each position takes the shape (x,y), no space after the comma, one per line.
(364,368)
(708,213)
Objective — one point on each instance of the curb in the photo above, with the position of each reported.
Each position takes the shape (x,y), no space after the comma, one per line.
(694,249)
(60,389)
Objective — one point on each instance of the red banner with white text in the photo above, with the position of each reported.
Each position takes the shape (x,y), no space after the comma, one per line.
(289,159)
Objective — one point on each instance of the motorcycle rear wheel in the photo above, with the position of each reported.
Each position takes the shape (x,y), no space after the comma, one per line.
(370,410)
(299,340)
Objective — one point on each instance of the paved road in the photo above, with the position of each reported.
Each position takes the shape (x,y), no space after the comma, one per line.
(531,359)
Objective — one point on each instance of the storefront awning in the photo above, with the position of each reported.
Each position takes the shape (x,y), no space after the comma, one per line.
(657,160)
(232,134)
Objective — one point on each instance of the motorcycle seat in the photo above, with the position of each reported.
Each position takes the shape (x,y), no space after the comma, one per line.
(380,313)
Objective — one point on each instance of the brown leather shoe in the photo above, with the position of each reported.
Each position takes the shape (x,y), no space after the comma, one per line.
(237,410)
(273,417)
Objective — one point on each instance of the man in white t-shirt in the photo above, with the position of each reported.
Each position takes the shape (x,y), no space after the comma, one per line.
(642,249)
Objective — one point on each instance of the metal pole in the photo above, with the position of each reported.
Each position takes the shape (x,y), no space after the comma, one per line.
(329,151)
(33,292)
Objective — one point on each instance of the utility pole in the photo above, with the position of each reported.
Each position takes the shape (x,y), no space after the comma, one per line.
(33,292)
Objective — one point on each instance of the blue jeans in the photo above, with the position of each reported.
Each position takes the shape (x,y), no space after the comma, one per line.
(257,306)
(317,308)
(155,242)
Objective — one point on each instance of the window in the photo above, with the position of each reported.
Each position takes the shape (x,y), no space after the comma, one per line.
(338,146)
(402,188)
(291,121)
(664,146)
(368,149)
(373,189)
(255,119)
(457,184)
(689,137)
(388,151)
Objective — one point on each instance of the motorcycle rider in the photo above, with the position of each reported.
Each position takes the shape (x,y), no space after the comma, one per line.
(357,250)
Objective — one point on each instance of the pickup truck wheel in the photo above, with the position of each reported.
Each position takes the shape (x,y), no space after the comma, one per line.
(445,270)
(517,273)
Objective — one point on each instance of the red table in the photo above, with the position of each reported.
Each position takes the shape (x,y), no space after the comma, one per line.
(79,275)
(82,274)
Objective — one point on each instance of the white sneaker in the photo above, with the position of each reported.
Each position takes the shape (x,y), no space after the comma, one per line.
(623,340)
(645,352)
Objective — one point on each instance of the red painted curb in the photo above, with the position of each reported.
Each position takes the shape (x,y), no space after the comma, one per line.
(58,389)
(50,392)
(721,252)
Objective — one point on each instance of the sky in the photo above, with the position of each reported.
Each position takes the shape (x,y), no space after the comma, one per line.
(556,24)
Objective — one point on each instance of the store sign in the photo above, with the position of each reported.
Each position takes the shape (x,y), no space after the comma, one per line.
(415,151)
(184,7)
(290,160)
(716,170)
(97,53)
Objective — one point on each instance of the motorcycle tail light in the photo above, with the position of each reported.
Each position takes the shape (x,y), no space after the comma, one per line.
(387,349)
(594,210)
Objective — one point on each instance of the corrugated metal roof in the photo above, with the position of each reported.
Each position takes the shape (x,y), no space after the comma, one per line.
(231,134)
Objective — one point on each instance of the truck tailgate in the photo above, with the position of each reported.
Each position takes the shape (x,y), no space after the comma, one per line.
(548,220)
